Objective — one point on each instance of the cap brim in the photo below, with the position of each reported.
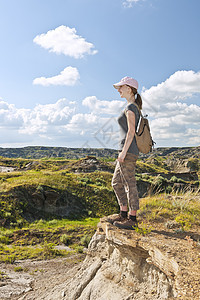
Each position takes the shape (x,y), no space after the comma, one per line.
(117,85)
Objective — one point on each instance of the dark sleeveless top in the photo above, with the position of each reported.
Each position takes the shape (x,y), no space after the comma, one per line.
(122,120)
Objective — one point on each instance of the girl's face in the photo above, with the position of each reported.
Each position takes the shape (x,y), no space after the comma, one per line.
(124,91)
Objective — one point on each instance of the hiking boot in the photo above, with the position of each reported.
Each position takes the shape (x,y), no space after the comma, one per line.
(126,224)
(115,218)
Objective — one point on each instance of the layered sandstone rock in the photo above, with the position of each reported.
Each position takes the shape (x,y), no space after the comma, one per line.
(124,265)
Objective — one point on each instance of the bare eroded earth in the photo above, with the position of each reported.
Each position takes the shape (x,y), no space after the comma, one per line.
(37,277)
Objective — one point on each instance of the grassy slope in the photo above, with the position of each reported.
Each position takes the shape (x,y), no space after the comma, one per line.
(37,240)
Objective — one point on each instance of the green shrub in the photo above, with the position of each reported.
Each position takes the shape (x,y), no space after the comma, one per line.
(4,239)
(193,164)
(143,229)
(85,180)
(3,179)
(20,223)
(85,240)
(18,269)
(159,180)
(3,275)
(100,181)
(53,222)
(66,239)
(168,189)
(9,259)
(49,251)
(184,221)
(174,179)
(40,223)
(145,176)
(79,249)
(40,189)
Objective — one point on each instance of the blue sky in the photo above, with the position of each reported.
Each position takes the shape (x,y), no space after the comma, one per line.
(59,59)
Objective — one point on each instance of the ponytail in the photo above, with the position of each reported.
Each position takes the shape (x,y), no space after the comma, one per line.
(138,99)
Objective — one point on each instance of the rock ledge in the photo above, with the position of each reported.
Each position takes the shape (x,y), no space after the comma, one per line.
(124,265)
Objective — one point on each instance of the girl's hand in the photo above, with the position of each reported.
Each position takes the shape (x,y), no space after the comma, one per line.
(121,157)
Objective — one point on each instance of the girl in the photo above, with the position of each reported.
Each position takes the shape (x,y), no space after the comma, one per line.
(123,181)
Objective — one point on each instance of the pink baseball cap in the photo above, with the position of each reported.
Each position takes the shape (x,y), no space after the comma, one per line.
(128,81)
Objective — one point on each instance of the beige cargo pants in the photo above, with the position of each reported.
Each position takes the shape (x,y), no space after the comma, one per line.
(124,182)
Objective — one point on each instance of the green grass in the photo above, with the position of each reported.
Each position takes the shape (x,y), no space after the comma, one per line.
(3,276)
(45,251)
(143,167)
(18,269)
(143,229)
(38,240)
(91,192)
(184,208)
(56,223)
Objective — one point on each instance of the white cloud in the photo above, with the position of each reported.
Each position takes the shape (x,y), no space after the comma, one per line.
(172,120)
(98,130)
(39,126)
(193,136)
(80,123)
(10,117)
(100,125)
(129,3)
(69,76)
(60,124)
(178,87)
(48,118)
(64,40)
(102,106)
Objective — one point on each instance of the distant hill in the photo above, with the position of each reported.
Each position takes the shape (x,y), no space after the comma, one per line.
(37,152)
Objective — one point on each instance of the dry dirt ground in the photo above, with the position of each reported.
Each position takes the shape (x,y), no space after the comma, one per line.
(37,277)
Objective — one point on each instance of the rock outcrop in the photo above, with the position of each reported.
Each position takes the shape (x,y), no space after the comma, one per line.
(6,169)
(125,265)
(90,164)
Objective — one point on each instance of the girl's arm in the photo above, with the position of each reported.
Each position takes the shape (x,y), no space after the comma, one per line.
(130,134)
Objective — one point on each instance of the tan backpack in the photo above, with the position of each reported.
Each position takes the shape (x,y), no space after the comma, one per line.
(143,137)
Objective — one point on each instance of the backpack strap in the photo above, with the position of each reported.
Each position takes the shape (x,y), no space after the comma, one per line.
(140,118)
